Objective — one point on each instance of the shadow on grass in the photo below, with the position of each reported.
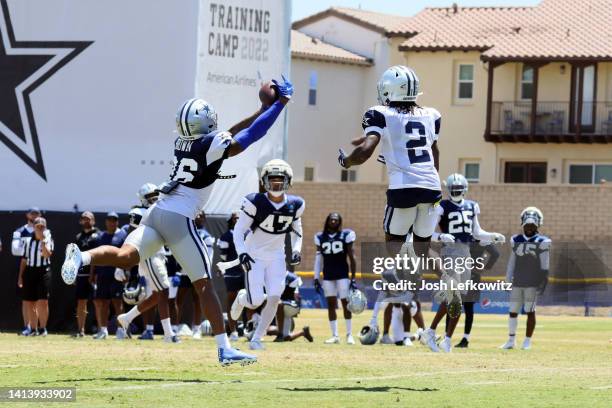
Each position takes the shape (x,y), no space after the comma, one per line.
(121,379)
(360,388)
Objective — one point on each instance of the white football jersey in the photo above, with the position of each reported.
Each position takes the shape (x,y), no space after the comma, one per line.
(406,140)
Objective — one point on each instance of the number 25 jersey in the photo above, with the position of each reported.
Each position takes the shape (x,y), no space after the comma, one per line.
(406,140)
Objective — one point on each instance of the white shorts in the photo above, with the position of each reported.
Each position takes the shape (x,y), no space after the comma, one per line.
(523,298)
(161,227)
(155,274)
(338,287)
(268,274)
(420,219)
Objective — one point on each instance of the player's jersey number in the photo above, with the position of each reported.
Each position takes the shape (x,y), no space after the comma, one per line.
(417,152)
(526,248)
(334,247)
(460,222)
(276,223)
(185,170)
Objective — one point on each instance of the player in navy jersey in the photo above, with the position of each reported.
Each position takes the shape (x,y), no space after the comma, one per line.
(459,226)
(259,235)
(527,270)
(334,245)
(199,152)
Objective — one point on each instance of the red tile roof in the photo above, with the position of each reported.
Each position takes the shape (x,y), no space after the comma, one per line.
(304,46)
(379,22)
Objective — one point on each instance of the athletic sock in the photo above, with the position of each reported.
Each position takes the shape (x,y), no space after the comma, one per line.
(132,314)
(333,325)
(167,327)
(150,327)
(349,326)
(104,330)
(222,341)
(466,336)
(85,258)
(447,338)
(512,325)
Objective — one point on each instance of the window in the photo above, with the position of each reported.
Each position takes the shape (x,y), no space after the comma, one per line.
(527,82)
(312,88)
(309,173)
(472,172)
(466,81)
(525,172)
(590,173)
(348,175)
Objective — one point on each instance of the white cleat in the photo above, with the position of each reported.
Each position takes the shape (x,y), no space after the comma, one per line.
(333,340)
(234,336)
(509,345)
(236,309)
(233,356)
(184,330)
(197,333)
(350,339)
(445,345)
(121,334)
(386,339)
(526,344)
(72,264)
(407,342)
(429,337)
(100,335)
(124,323)
(256,345)
(172,339)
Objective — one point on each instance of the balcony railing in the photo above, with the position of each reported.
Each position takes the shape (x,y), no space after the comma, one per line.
(552,120)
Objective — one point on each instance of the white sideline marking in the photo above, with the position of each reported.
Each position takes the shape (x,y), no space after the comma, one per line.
(603,387)
(133,369)
(306,380)
(486,383)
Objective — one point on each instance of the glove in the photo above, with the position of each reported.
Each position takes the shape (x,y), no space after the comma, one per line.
(142,281)
(246,261)
(542,286)
(317,286)
(446,238)
(342,159)
(498,238)
(175,281)
(353,284)
(296,258)
(284,89)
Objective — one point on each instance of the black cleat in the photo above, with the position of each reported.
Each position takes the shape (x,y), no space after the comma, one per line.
(463,343)
(307,334)
(279,339)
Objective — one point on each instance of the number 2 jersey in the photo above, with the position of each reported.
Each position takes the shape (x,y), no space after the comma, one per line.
(406,140)
(333,249)
(265,224)
(195,168)
(529,260)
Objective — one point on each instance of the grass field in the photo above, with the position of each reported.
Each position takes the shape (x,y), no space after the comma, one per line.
(570,364)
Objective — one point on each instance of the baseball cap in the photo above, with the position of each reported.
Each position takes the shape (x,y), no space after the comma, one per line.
(34,210)
(112,214)
(40,220)
(87,214)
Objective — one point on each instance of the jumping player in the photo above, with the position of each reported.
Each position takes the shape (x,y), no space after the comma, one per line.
(259,235)
(199,152)
(459,226)
(528,272)
(334,245)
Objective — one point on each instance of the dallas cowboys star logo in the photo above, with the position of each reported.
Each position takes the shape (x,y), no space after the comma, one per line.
(24,66)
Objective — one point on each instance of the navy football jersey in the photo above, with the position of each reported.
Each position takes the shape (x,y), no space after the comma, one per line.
(270,219)
(292,284)
(457,218)
(529,259)
(334,248)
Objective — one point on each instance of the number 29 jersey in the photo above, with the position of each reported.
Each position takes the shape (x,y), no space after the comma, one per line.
(196,164)
(334,248)
(406,140)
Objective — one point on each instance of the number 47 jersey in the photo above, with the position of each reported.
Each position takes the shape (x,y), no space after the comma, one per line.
(406,140)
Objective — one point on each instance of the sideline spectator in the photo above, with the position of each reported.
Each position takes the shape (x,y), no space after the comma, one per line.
(86,239)
(35,276)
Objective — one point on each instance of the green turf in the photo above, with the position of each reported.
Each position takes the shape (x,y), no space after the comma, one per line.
(570,364)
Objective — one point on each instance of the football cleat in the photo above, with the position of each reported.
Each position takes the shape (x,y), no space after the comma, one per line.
(26,332)
(307,334)
(121,334)
(526,344)
(256,345)
(100,335)
(234,336)
(508,345)
(407,342)
(146,335)
(350,339)
(184,330)
(429,337)
(234,356)
(172,339)
(386,339)
(333,340)
(279,339)
(124,323)
(236,309)
(464,343)
(445,345)
(42,332)
(197,333)
(72,264)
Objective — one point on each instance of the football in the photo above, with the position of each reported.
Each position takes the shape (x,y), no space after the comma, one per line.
(267,93)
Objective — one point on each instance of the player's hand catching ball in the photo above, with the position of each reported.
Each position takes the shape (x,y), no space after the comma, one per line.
(296,258)
(267,94)
(284,89)
(246,261)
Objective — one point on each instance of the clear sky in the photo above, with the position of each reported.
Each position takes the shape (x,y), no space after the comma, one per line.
(304,8)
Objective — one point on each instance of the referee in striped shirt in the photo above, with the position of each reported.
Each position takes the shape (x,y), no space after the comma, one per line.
(35,277)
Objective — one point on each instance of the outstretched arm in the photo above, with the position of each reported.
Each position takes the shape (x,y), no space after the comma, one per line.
(246,122)
(361,153)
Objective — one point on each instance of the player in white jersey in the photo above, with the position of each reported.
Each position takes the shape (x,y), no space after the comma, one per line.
(259,236)
(408,134)
(199,152)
